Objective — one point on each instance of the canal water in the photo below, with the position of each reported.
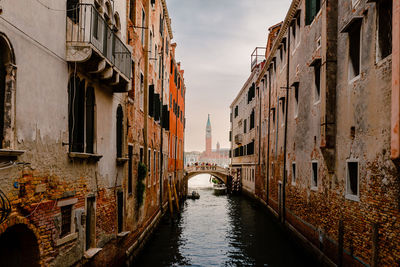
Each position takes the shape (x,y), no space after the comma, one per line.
(220,231)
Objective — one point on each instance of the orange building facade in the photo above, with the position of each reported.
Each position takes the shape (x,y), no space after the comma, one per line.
(177,91)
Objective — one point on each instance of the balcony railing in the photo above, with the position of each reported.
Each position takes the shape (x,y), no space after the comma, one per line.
(85,25)
(257,56)
(238,139)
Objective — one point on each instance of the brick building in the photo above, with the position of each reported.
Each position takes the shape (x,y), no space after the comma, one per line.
(78,112)
(329,90)
(177,92)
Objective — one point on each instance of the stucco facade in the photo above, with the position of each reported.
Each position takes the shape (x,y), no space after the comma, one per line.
(329,94)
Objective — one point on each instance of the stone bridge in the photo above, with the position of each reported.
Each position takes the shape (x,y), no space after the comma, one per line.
(219,172)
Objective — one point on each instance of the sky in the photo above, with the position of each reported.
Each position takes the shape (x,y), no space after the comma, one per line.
(215,39)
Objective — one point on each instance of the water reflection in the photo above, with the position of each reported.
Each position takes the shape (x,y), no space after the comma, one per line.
(220,231)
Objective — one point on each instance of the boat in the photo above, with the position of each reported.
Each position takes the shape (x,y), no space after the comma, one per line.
(219,189)
(193,195)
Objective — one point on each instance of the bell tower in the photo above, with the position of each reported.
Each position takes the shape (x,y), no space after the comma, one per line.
(208,136)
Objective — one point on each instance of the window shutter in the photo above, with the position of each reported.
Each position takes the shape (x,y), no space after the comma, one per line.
(120,119)
(151,100)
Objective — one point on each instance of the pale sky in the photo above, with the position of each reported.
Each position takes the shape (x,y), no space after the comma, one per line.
(215,40)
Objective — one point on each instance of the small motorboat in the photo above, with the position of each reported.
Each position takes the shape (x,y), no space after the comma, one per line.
(219,189)
(193,195)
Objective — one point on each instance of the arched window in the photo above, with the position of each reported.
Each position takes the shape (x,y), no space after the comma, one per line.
(7,93)
(81,116)
(120,125)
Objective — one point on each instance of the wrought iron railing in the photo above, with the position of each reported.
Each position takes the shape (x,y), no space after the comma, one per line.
(5,207)
(86,25)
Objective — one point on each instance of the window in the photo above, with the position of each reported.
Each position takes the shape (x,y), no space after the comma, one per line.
(131,93)
(132,11)
(155,165)
(312,9)
(352,180)
(66,217)
(384,28)
(120,207)
(130,162)
(296,29)
(81,116)
(314,175)
(282,110)
(293,172)
(317,82)
(149,169)
(141,91)
(141,154)
(73,10)
(354,50)
(236,111)
(143,25)
(252,120)
(245,126)
(120,126)
(296,99)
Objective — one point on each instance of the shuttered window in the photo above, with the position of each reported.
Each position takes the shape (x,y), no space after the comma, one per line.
(312,8)
(151,100)
(132,11)
(120,118)
(81,116)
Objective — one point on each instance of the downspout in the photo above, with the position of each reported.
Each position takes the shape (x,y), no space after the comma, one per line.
(161,122)
(146,84)
(269,131)
(286,128)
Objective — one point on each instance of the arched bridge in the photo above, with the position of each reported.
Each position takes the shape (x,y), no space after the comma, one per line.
(217,171)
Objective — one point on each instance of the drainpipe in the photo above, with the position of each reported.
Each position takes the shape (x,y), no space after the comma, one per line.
(286,128)
(146,83)
(161,122)
(269,131)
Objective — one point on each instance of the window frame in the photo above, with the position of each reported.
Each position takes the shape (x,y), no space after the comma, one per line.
(348,194)
(314,184)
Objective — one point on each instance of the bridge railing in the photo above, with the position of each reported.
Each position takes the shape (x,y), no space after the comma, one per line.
(206,168)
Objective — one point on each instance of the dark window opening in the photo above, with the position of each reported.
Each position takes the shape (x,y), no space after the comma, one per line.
(252,120)
(90,102)
(131,93)
(236,111)
(66,216)
(73,10)
(130,162)
(141,154)
(90,222)
(312,9)
(151,100)
(245,126)
(120,205)
(293,172)
(132,11)
(314,174)
(317,81)
(354,50)
(120,126)
(296,98)
(352,178)
(385,9)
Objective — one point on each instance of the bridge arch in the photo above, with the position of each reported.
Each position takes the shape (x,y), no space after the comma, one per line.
(220,173)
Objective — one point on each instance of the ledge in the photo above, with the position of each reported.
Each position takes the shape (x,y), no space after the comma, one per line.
(122,160)
(123,234)
(91,252)
(11,152)
(79,155)
(66,239)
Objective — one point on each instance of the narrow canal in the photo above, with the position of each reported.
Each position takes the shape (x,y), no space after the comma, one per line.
(220,231)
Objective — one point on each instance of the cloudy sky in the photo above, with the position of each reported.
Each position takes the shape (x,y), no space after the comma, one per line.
(215,40)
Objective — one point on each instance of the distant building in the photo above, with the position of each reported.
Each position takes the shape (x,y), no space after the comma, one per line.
(219,156)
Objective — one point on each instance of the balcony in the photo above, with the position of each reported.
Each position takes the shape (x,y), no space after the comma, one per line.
(257,57)
(94,46)
(239,139)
